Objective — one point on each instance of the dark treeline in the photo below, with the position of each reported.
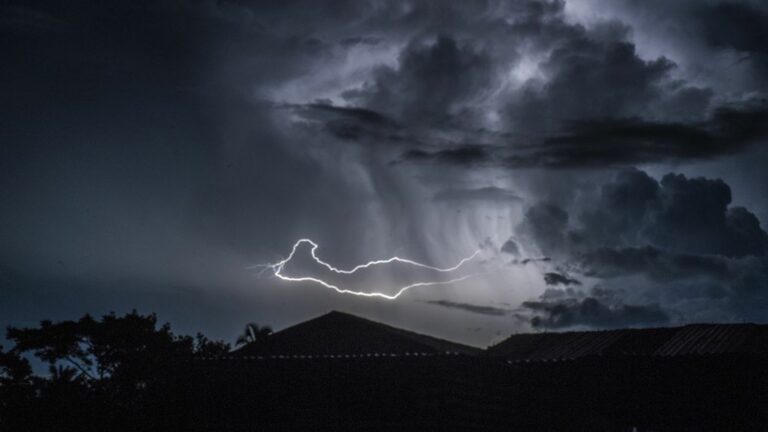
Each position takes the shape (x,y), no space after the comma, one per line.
(115,373)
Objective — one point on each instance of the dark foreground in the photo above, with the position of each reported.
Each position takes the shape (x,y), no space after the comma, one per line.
(726,393)
(358,375)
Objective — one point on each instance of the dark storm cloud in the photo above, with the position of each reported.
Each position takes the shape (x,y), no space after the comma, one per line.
(361,115)
(672,234)
(619,141)
(718,42)
(608,142)
(594,102)
(353,124)
(473,308)
(593,313)
(547,224)
(590,79)
(511,247)
(487,194)
(688,215)
(525,261)
(737,25)
(552,278)
(686,284)
(368,127)
(595,308)
(433,82)
(741,27)
(360,40)
(605,104)
(461,155)
(658,264)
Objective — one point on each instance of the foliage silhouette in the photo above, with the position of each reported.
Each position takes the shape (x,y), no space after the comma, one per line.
(109,373)
(253,333)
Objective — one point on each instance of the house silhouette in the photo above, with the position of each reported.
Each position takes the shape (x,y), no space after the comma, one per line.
(343,372)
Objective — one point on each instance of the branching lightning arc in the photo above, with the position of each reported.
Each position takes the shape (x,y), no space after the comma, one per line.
(277,269)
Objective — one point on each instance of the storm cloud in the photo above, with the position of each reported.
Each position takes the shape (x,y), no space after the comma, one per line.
(674,241)
(591,312)
(473,308)
(590,101)
(154,152)
(489,193)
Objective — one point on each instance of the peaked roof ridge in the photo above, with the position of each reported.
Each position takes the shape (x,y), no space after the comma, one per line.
(334,329)
(420,337)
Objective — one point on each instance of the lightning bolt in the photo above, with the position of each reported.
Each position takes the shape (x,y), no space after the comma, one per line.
(277,269)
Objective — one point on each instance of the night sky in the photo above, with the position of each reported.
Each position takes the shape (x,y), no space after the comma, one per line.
(607,158)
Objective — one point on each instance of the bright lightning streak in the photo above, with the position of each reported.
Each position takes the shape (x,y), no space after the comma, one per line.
(277,268)
(371,294)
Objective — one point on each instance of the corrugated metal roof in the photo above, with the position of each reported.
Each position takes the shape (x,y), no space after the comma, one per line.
(696,339)
(703,339)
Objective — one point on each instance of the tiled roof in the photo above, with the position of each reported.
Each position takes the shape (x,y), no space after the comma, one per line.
(695,339)
(341,334)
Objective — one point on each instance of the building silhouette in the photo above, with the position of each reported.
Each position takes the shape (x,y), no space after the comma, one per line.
(343,372)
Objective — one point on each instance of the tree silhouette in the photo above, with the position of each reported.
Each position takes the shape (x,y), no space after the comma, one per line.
(14,369)
(15,389)
(253,333)
(119,373)
(64,375)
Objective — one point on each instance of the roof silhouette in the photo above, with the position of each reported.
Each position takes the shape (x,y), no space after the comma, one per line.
(339,333)
(689,340)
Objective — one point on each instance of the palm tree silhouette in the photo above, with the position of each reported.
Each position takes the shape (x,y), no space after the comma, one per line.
(65,376)
(253,333)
